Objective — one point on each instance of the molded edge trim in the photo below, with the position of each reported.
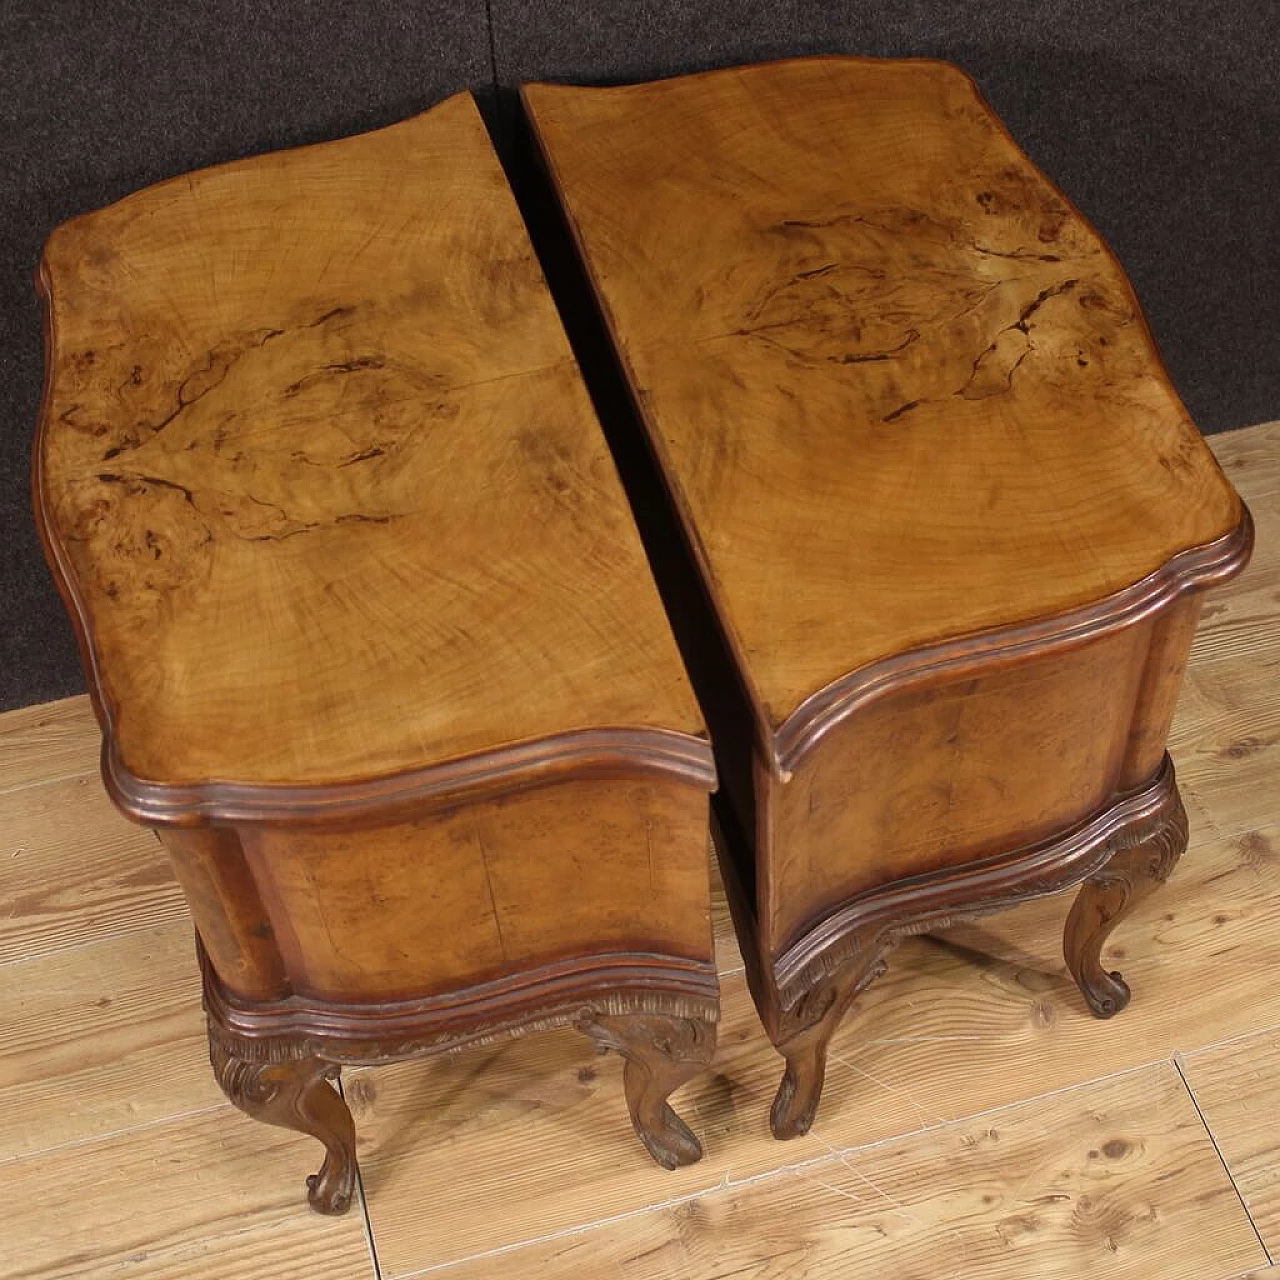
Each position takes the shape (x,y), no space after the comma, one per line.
(913,906)
(581,753)
(555,993)
(1193,569)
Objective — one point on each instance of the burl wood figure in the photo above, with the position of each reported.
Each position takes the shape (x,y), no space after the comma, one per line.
(368,627)
(952,521)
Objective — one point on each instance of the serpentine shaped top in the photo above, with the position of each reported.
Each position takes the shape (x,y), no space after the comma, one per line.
(320,478)
(903,394)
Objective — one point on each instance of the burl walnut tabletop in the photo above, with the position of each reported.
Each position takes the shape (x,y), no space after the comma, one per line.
(369,630)
(951,516)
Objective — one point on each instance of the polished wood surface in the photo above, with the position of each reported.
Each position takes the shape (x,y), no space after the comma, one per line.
(319,472)
(902,391)
(510,1160)
(953,523)
(584,869)
(949,773)
(369,628)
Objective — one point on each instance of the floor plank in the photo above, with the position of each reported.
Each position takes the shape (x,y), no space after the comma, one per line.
(540,1125)
(1251,458)
(728,956)
(1229,756)
(73,871)
(47,741)
(207,1195)
(1117,1179)
(102,1037)
(1240,620)
(1237,1087)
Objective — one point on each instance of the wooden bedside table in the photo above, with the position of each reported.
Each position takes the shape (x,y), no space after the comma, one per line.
(951,518)
(368,627)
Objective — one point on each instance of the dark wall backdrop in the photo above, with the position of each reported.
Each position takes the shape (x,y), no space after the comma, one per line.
(1161,118)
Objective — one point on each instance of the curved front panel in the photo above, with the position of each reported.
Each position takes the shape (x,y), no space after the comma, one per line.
(487,890)
(960,769)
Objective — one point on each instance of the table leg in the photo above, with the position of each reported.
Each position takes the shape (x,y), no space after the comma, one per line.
(662,1052)
(806,1031)
(294,1093)
(1109,895)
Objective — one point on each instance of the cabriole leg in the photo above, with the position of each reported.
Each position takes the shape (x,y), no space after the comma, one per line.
(806,1031)
(661,1052)
(1132,873)
(294,1093)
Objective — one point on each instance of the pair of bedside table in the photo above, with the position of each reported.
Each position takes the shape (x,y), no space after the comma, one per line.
(376,649)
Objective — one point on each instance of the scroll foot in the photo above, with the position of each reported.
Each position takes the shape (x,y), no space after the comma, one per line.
(661,1053)
(1131,874)
(295,1093)
(807,1031)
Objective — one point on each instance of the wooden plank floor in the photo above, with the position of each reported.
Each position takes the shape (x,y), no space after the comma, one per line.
(977,1121)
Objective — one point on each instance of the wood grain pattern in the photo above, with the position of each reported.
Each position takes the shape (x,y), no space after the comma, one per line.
(47,742)
(231,922)
(322,480)
(891,373)
(100,1037)
(1237,1088)
(584,868)
(949,773)
(1119,1180)
(75,871)
(77,1211)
